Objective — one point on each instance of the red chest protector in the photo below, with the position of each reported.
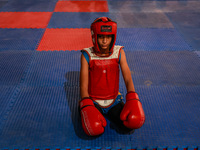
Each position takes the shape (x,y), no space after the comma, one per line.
(103,74)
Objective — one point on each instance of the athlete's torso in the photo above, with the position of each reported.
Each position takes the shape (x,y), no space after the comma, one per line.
(104,75)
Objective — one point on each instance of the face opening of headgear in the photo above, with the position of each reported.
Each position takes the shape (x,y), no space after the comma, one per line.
(103,26)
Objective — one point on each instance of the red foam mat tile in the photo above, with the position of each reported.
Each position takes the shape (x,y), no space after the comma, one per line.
(65,39)
(81,6)
(24,19)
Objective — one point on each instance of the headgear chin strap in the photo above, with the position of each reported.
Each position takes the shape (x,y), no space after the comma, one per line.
(103,26)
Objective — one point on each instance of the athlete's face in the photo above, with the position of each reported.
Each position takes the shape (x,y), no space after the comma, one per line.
(104,42)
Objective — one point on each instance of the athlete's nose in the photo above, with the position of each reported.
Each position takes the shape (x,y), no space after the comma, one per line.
(104,39)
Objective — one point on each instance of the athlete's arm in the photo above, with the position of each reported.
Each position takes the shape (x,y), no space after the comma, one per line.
(132,114)
(84,75)
(126,72)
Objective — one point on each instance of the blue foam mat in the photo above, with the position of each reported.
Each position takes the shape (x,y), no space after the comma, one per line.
(198,53)
(148,68)
(29,6)
(13,66)
(53,68)
(185,19)
(187,23)
(44,109)
(144,39)
(179,6)
(74,20)
(47,116)
(38,99)
(153,6)
(124,20)
(142,20)
(164,68)
(43,116)
(20,39)
(6,93)
(2,3)
(169,115)
(131,6)
(191,36)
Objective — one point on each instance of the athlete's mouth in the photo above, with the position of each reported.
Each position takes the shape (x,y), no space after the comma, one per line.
(104,45)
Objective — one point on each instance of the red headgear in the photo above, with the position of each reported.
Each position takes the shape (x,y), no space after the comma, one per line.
(103,26)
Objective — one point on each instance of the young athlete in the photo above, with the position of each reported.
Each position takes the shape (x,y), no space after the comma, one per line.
(99,83)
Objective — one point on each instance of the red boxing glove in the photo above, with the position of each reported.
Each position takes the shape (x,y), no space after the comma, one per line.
(93,122)
(132,114)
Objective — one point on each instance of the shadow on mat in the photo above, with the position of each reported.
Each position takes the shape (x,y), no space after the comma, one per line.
(73,96)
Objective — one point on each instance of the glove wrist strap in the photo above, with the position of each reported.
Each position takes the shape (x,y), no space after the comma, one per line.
(86,101)
(131,95)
